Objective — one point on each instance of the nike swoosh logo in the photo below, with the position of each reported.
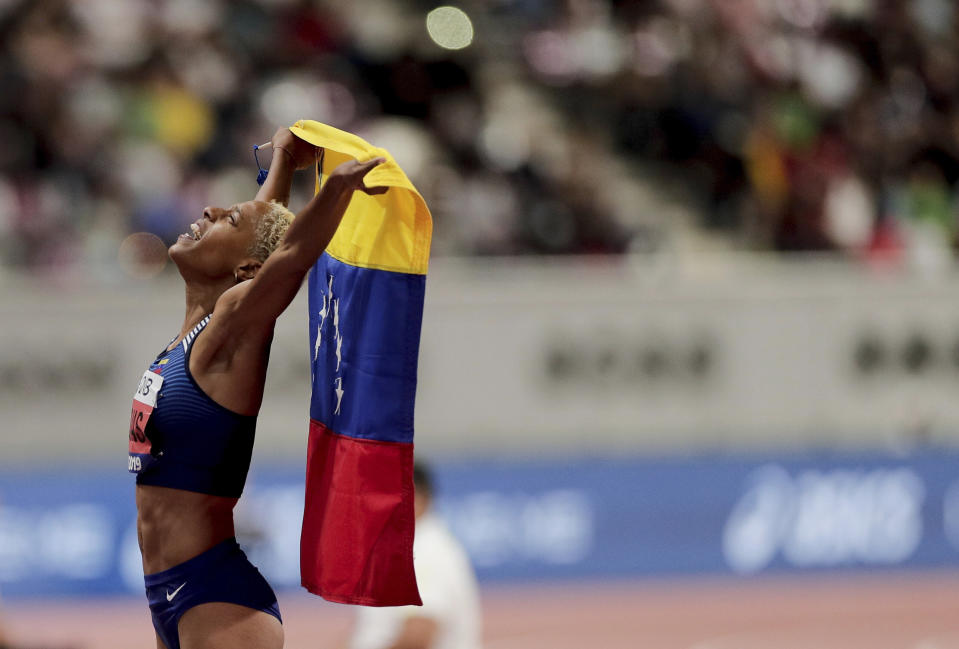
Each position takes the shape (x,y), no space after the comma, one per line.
(170,596)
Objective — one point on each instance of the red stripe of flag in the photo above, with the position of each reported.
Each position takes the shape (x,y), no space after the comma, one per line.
(357,540)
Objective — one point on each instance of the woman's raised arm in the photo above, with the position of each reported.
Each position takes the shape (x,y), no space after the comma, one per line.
(260,301)
(289,154)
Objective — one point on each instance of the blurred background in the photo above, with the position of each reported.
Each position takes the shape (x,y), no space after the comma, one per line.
(690,355)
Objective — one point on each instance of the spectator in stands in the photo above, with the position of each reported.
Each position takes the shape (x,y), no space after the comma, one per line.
(450,615)
(564,128)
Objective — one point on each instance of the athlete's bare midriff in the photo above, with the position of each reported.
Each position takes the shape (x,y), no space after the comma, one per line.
(174,525)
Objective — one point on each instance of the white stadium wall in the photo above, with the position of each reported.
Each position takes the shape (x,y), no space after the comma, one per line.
(543,357)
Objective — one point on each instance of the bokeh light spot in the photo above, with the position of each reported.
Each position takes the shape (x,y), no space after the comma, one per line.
(142,255)
(450,28)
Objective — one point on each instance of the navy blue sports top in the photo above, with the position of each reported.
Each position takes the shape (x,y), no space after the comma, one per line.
(180,437)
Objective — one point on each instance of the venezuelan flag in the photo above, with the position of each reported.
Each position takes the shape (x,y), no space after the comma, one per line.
(366,309)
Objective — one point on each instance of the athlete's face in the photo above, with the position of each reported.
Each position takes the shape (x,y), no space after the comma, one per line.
(218,244)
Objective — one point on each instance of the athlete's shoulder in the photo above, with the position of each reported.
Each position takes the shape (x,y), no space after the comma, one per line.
(228,319)
(231,298)
(228,338)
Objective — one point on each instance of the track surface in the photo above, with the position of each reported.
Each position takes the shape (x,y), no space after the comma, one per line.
(861,612)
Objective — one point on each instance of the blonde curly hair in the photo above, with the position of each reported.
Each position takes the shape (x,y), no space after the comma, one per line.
(270,230)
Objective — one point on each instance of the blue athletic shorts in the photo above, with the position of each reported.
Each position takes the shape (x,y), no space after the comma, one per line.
(221,574)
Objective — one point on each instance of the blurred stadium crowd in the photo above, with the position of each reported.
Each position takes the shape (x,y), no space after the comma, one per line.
(531,126)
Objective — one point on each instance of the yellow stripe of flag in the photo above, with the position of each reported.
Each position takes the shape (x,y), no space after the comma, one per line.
(391,231)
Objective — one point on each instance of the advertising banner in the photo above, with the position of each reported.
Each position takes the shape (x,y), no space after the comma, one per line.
(72,532)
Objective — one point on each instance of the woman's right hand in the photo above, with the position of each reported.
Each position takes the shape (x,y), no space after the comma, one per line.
(351,173)
(302,154)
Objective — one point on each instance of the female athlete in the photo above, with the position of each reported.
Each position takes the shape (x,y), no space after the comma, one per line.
(194,412)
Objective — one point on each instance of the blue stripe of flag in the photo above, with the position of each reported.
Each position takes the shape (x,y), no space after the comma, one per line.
(364,347)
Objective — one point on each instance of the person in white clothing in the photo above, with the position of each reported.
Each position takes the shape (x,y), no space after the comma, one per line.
(450,615)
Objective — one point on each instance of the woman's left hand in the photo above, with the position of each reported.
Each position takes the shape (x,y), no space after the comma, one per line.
(302,154)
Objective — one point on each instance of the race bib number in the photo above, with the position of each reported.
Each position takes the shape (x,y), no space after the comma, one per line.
(144,403)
